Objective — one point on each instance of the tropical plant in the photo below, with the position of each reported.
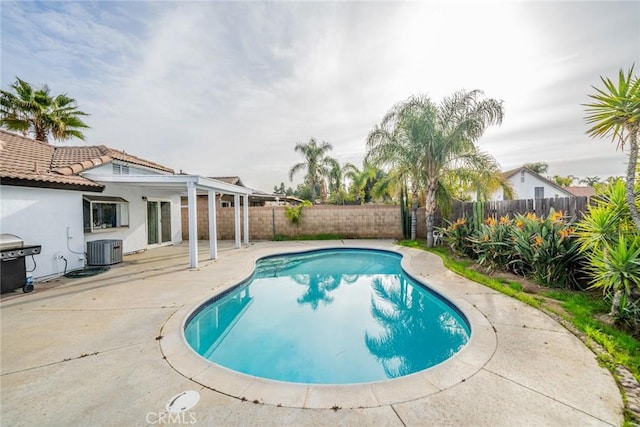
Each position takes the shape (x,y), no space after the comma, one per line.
(457,235)
(615,112)
(609,239)
(294,213)
(37,112)
(493,244)
(430,141)
(616,268)
(546,250)
(538,167)
(337,175)
(590,181)
(391,144)
(316,162)
(605,219)
(281,189)
(362,181)
(564,181)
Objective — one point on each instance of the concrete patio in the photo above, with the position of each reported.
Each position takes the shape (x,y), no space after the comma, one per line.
(108,350)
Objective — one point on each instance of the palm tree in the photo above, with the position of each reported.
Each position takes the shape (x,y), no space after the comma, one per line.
(391,144)
(361,179)
(317,164)
(439,140)
(337,176)
(28,110)
(538,167)
(564,181)
(616,113)
(590,181)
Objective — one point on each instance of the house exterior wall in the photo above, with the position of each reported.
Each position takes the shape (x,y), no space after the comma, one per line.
(108,170)
(47,217)
(134,238)
(53,219)
(526,189)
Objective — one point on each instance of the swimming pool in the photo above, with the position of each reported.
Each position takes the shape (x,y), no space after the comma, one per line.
(339,316)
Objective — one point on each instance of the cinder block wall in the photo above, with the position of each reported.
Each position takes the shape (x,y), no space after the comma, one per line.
(366,221)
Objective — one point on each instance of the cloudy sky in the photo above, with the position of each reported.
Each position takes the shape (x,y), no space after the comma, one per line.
(229,88)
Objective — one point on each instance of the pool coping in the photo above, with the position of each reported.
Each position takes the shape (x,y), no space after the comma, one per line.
(449,373)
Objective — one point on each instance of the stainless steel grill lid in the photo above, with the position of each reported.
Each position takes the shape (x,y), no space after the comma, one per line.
(10,241)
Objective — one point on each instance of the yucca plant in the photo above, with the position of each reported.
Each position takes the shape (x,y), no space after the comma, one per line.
(604,220)
(608,239)
(615,112)
(615,268)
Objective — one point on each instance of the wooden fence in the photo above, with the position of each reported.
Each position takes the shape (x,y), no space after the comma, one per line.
(570,206)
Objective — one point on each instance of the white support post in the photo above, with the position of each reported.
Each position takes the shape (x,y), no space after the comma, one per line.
(246,218)
(193,224)
(213,236)
(236,222)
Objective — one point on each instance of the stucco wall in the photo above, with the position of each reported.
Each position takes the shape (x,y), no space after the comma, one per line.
(53,219)
(367,221)
(44,217)
(134,238)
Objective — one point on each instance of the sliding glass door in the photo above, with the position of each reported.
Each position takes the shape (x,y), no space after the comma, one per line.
(158,222)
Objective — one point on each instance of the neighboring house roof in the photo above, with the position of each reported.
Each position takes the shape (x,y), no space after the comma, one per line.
(582,191)
(257,194)
(235,180)
(508,174)
(27,162)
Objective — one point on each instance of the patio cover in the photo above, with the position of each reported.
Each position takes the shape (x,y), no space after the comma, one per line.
(192,185)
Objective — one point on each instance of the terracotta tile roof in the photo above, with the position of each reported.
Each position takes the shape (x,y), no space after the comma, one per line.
(72,160)
(581,191)
(31,162)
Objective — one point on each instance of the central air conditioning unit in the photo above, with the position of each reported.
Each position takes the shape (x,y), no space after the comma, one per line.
(104,252)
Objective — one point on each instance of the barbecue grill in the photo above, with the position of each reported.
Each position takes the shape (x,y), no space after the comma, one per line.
(13,274)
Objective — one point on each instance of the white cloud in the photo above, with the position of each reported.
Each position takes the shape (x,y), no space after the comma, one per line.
(222,88)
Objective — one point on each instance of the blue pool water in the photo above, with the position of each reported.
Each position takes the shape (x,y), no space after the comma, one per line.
(335,316)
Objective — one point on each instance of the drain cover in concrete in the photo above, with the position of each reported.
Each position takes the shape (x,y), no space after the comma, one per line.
(183,401)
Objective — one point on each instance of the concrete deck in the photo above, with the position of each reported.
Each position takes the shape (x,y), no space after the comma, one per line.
(85,352)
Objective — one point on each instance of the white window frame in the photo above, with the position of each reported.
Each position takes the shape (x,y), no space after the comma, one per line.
(96,225)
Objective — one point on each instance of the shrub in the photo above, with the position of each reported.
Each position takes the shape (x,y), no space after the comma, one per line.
(610,242)
(457,235)
(542,249)
(294,213)
(492,244)
(547,250)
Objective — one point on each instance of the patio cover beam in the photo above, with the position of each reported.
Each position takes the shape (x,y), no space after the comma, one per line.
(193,184)
(213,236)
(246,218)
(236,219)
(193,224)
